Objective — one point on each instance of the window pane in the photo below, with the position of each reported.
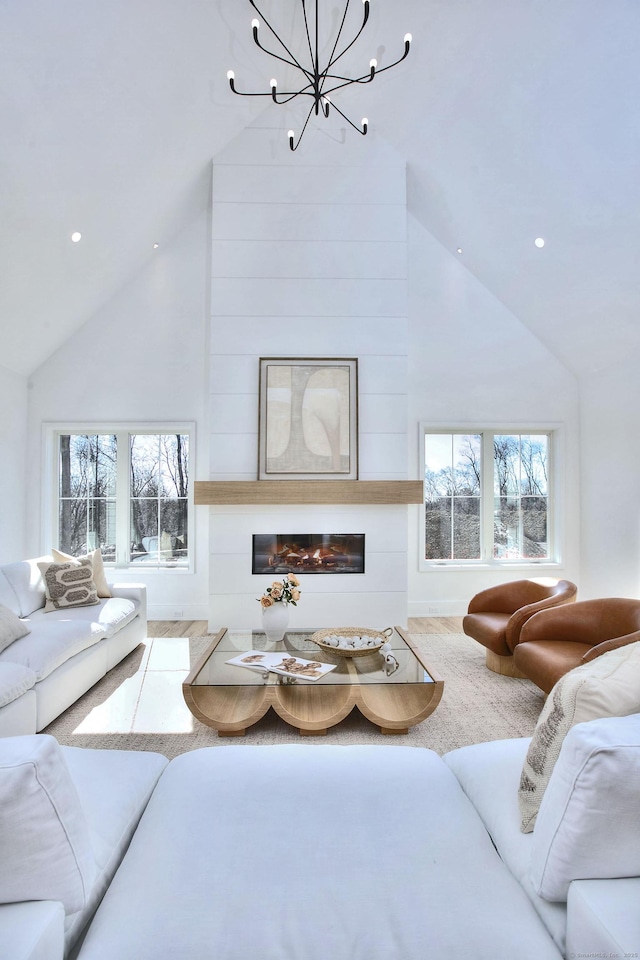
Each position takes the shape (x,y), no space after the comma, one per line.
(534,479)
(506,465)
(466,528)
(144,465)
(534,528)
(159,504)
(452,492)
(87,478)
(506,529)
(438,529)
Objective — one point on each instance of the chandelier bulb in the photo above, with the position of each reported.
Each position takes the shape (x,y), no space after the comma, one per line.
(231,77)
(373,63)
(365,125)
(255,24)
(291,135)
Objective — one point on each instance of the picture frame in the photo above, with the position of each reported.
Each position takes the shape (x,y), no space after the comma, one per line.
(308,419)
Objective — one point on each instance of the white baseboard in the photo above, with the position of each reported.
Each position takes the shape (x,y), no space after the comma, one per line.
(177,611)
(437,608)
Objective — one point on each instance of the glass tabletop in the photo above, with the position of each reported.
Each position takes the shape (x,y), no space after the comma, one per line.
(401,664)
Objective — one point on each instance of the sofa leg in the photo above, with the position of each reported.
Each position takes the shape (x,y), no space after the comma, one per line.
(503,665)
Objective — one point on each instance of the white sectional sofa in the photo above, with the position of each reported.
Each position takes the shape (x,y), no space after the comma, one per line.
(65,652)
(304,852)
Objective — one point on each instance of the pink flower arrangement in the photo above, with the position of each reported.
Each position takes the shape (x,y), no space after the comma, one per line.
(285,591)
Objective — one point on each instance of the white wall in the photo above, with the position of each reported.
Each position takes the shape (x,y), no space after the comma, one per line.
(472,362)
(610,463)
(13,449)
(141,358)
(309,260)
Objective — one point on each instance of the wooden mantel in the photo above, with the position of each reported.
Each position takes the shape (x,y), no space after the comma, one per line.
(209,492)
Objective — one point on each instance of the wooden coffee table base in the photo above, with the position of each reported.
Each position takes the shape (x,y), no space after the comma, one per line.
(312,709)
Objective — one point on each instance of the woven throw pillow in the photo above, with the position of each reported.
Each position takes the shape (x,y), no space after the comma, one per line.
(99,576)
(608,686)
(68,585)
(11,627)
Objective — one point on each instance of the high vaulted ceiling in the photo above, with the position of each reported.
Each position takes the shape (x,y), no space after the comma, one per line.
(517,119)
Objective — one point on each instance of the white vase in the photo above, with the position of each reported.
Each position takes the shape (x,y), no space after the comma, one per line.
(275,620)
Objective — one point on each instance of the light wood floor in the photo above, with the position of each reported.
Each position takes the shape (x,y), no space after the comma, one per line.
(198,628)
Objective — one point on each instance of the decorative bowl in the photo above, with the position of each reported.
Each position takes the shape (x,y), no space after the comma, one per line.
(380,636)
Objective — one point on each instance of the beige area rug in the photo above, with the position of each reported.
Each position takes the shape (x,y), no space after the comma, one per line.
(139,705)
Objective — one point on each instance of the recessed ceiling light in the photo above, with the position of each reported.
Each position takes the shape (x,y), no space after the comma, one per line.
(155,246)
(539,242)
(76,236)
(459,250)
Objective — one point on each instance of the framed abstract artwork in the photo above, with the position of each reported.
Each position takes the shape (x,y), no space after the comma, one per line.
(308,419)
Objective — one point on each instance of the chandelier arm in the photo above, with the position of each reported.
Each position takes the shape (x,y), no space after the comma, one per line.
(407,46)
(290,63)
(333,59)
(294,60)
(301,132)
(347,82)
(306,27)
(345,117)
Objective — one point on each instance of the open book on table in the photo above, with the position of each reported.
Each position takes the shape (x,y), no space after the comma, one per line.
(283,663)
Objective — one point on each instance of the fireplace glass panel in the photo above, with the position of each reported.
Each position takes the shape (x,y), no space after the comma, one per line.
(308,553)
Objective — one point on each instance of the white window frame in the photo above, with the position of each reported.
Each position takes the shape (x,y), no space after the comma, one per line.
(49,535)
(555,432)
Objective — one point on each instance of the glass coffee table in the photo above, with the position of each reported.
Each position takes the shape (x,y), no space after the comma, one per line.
(394,693)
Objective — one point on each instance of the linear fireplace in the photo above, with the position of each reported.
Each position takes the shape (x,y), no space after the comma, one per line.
(308,553)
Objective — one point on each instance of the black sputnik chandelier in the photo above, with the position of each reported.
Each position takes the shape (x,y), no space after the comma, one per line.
(318,83)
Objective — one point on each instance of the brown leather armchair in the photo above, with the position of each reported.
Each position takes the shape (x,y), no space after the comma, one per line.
(555,641)
(496,616)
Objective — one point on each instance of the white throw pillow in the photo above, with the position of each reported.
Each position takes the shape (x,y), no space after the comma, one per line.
(45,846)
(588,825)
(68,584)
(99,576)
(11,627)
(608,686)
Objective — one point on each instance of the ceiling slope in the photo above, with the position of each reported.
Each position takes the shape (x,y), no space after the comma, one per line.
(517,119)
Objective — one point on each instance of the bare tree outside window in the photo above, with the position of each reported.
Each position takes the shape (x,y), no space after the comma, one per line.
(456,504)
(155,503)
(87,494)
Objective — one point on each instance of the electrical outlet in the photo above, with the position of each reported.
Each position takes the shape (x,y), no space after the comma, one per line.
(433,609)
(177,614)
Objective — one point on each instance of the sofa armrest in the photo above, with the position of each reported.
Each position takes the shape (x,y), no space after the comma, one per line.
(32,931)
(132,591)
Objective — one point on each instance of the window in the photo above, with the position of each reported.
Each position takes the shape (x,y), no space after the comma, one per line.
(127,493)
(487,497)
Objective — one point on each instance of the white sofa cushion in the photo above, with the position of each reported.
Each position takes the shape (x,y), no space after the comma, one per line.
(311,852)
(27,583)
(11,627)
(489,774)
(45,848)
(608,686)
(15,680)
(8,595)
(114,787)
(52,642)
(604,918)
(32,930)
(587,827)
